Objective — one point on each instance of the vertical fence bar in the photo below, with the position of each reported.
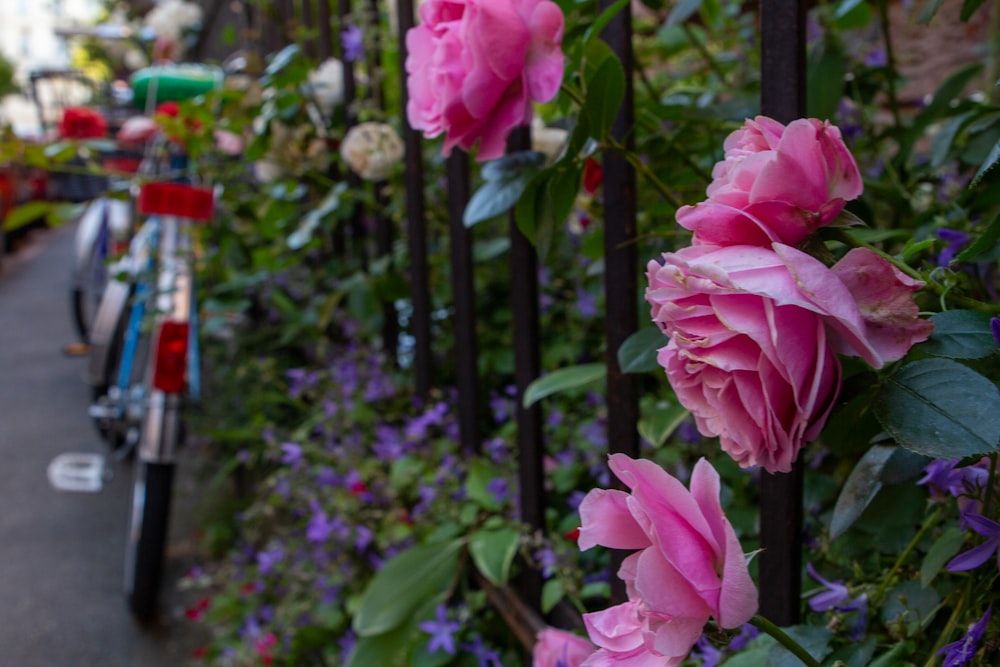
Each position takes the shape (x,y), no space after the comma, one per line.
(527,367)
(620,264)
(350,85)
(783,94)
(416,224)
(464,299)
(311,47)
(325,31)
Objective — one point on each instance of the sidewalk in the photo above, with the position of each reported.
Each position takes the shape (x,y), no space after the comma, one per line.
(62,553)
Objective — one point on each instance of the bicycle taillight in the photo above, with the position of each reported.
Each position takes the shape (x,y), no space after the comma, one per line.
(184,201)
(170,369)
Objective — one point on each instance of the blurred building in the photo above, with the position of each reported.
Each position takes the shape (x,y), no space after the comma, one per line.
(28,38)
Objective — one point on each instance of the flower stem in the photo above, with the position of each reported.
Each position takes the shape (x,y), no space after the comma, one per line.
(793,646)
(902,557)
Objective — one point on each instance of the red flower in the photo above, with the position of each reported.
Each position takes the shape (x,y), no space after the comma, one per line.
(572,535)
(82,123)
(197,612)
(593,175)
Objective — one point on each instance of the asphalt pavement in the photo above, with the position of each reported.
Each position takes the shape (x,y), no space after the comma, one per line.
(61,553)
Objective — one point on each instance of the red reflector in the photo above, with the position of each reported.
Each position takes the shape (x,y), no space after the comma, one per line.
(170,371)
(184,201)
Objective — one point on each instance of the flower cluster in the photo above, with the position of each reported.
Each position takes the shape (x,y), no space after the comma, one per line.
(475,66)
(755,324)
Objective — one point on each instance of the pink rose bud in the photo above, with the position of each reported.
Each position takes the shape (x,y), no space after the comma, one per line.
(474,67)
(776,184)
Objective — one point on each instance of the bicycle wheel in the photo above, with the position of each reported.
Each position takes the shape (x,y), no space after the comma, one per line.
(89,272)
(147,536)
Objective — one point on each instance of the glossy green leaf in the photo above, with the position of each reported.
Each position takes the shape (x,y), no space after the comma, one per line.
(659,423)
(895,657)
(857,654)
(940,408)
(552,593)
(814,639)
(504,180)
(403,584)
(682,11)
(564,379)
(860,489)
(311,220)
(910,606)
(991,161)
(943,140)
(960,334)
(493,553)
(638,353)
(947,92)
(825,82)
(943,550)
(26,214)
(603,19)
(481,472)
(969,8)
(605,92)
(382,649)
(986,242)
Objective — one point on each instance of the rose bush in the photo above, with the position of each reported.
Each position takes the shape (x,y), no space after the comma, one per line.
(776,184)
(689,566)
(475,67)
(755,334)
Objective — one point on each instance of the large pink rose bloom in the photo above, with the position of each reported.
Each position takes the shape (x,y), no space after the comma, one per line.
(558,648)
(776,184)
(689,566)
(475,66)
(755,333)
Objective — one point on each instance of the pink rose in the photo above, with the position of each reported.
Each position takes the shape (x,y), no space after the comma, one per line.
(689,566)
(475,66)
(558,648)
(776,184)
(755,333)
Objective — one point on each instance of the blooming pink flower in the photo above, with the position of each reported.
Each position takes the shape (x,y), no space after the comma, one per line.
(475,66)
(755,332)
(776,184)
(558,648)
(689,566)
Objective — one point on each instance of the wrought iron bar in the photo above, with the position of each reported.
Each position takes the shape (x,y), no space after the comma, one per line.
(463,287)
(620,264)
(416,224)
(783,95)
(326,49)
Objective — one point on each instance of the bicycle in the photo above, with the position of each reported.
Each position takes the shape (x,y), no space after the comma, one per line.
(144,355)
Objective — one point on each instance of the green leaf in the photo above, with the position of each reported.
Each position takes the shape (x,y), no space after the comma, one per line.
(282,59)
(403,584)
(942,142)
(943,550)
(605,92)
(960,334)
(969,7)
(480,474)
(638,353)
(552,593)
(814,639)
(311,220)
(854,655)
(986,242)
(845,7)
(861,487)
(825,82)
(940,104)
(493,552)
(661,422)
(504,180)
(988,164)
(940,408)
(487,249)
(383,649)
(930,9)
(911,606)
(682,11)
(895,657)
(605,17)
(564,379)
(26,214)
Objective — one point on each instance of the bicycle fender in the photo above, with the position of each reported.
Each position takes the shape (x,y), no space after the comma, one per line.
(114,304)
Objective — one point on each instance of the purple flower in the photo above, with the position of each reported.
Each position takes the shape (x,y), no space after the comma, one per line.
(441,631)
(834,595)
(877,58)
(962,651)
(747,634)
(266,560)
(706,653)
(499,488)
(548,560)
(954,240)
(352,41)
(291,453)
(486,656)
(586,304)
(976,556)
(995,329)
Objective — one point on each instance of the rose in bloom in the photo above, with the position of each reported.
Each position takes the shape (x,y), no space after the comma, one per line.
(558,648)
(82,123)
(475,66)
(372,150)
(755,334)
(689,566)
(776,184)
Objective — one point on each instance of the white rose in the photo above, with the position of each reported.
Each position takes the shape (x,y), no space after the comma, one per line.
(170,18)
(372,150)
(327,83)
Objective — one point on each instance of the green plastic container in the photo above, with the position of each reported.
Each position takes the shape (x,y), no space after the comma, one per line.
(173,82)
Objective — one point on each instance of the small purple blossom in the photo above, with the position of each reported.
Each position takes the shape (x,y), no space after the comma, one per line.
(833,595)
(954,240)
(961,652)
(877,58)
(352,41)
(499,488)
(746,635)
(266,560)
(547,559)
(978,555)
(291,453)
(441,631)
(486,656)
(706,653)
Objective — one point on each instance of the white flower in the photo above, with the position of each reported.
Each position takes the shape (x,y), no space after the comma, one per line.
(327,82)
(170,18)
(372,150)
(548,140)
